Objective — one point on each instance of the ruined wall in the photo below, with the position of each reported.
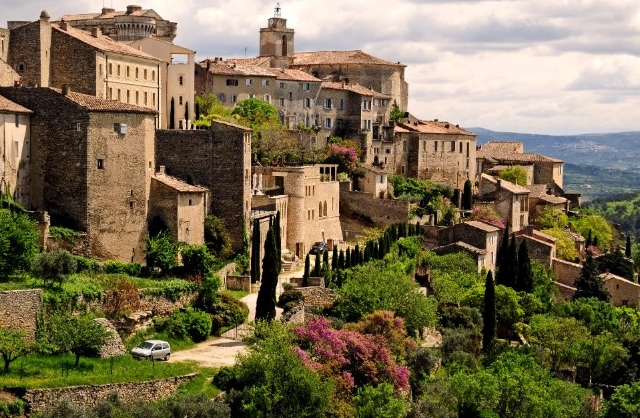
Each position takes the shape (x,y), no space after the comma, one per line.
(39,399)
(382,212)
(19,310)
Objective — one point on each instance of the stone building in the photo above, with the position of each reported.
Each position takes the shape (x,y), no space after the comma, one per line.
(181,207)
(477,238)
(50,55)
(91,166)
(509,200)
(542,247)
(623,292)
(177,74)
(130,25)
(4,44)
(15,150)
(296,97)
(8,76)
(374,181)
(219,159)
(312,209)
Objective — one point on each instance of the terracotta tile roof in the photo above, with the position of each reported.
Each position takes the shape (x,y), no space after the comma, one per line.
(506,185)
(354,88)
(339,57)
(294,75)
(503,147)
(432,127)
(540,191)
(108,15)
(96,104)
(459,245)
(483,226)
(7,106)
(178,184)
(232,68)
(104,43)
(263,62)
(511,152)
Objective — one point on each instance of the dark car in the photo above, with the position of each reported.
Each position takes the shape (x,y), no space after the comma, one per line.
(318,248)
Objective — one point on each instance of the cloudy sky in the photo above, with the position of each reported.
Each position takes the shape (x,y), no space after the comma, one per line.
(535,66)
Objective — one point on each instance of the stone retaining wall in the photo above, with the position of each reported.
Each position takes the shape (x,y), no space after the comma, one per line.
(317,297)
(238,283)
(38,399)
(19,310)
(380,212)
(313,281)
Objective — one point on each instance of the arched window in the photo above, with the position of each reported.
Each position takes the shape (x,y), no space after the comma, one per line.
(319,209)
(325,208)
(284,45)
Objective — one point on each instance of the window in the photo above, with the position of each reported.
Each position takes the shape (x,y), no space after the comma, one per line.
(265,82)
(137,72)
(267,98)
(128,96)
(119,97)
(252,96)
(17,120)
(232,82)
(281,85)
(221,97)
(110,93)
(181,80)
(118,70)
(110,69)
(127,71)
(453,146)
(180,100)
(307,102)
(21,67)
(328,123)
(153,97)
(145,98)
(290,95)
(281,101)
(341,106)
(366,104)
(460,147)
(249,81)
(305,86)
(328,104)
(78,128)
(153,76)
(404,146)
(234,98)
(145,74)
(190,202)
(366,124)
(100,69)
(137,97)
(435,146)
(382,102)
(100,163)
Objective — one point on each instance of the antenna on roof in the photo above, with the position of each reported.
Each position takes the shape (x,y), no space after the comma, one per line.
(245,52)
(277,10)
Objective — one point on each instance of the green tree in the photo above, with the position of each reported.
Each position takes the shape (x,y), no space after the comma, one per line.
(624,403)
(54,266)
(256,255)
(525,275)
(266,302)
(334,258)
(316,266)
(216,237)
(600,228)
(489,314)
(80,335)
(380,402)
(515,174)
(162,252)
(627,248)
(397,114)
(551,218)
(18,243)
(13,345)
(562,337)
(197,260)
(467,196)
(255,112)
(565,247)
(589,284)
(504,249)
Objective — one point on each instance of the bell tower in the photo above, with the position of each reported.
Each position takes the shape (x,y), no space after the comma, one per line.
(276,41)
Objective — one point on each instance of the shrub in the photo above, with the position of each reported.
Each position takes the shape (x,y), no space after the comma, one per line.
(18,243)
(162,252)
(216,237)
(55,266)
(192,324)
(197,260)
(117,267)
(227,311)
(64,234)
(87,265)
(289,299)
(172,289)
(122,296)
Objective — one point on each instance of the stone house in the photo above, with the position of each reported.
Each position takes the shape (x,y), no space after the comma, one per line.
(180,206)
(176,78)
(91,166)
(312,209)
(219,158)
(374,181)
(623,292)
(434,150)
(50,55)
(296,97)
(15,150)
(125,26)
(477,238)
(542,247)
(509,200)
(542,197)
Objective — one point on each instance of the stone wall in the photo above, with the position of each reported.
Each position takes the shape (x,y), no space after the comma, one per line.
(313,281)
(318,297)
(238,283)
(566,271)
(382,212)
(38,399)
(19,310)
(29,47)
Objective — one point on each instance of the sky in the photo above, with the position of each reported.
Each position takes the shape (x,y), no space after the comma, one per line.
(534,66)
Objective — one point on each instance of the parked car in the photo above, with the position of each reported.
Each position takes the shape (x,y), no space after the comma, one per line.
(318,248)
(152,350)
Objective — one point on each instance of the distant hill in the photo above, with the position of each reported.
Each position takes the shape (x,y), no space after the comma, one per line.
(596,165)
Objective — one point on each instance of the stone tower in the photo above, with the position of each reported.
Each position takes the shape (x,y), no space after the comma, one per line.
(276,41)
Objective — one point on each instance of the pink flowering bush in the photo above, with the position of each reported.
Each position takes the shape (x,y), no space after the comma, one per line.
(346,157)
(488,215)
(352,358)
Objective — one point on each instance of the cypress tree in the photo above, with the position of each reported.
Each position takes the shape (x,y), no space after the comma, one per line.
(307,268)
(325,260)
(316,266)
(381,247)
(172,115)
(276,230)
(347,260)
(186,113)
(467,196)
(456,198)
(525,276)
(595,240)
(376,251)
(356,256)
(367,254)
(341,260)
(266,303)
(589,284)
(502,271)
(255,252)
(627,249)
(512,263)
(197,110)
(489,313)
(334,258)
(418,228)
(589,241)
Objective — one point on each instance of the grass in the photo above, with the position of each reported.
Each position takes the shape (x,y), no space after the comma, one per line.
(238,294)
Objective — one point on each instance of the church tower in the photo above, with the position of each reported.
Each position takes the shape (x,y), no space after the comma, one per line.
(276,41)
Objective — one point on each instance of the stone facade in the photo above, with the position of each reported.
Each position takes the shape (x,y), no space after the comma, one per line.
(220,160)
(30,51)
(374,182)
(623,292)
(105,143)
(277,42)
(316,297)
(542,247)
(4,44)
(151,390)
(238,283)
(15,150)
(566,272)
(509,200)
(379,212)
(477,234)
(19,310)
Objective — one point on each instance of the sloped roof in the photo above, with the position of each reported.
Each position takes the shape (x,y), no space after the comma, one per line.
(110,15)
(96,104)
(339,57)
(507,185)
(483,226)
(503,147)
(432,127)
(540,191)
(511,152)
(459,245)
(293,75)
(7,106)
(610,276)
(354,88)
(178,184)
(103,43)
(263,62)
(232,68)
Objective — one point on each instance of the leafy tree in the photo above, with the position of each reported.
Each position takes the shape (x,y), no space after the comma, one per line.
(216,237)
(562,337)
(255,112)
(565,247)
(266,303)
(589,284)
(600,228)
(162,252)
(13,345)
(197,260)
(489,314)
(624,403)
(397,114)
(551,218)
(54,266)
(18,242)
(467,196)
(525,275)
(80,335)
(515,174)
(616,264)
(380,402)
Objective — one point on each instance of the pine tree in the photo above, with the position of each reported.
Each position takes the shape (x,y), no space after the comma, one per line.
(467,196)
(341,261)
(525,276)
(589,284)
(172,115)
(307,268)
(489,313)
(627,249)
(255,252)
(266,303)
(316,266)
(334,258)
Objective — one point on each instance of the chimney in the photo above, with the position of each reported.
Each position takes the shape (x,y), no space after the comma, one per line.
(63,24)
(45,16)
(133,8)
(94,32)
(435,120)
(106,10)
(162,170)
(446,125)
(498,183)
(66,89)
